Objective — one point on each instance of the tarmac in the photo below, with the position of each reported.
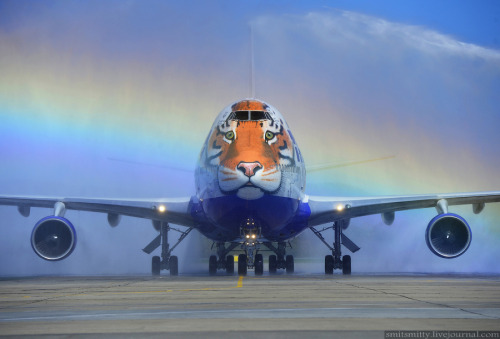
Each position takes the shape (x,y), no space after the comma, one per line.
(269,306)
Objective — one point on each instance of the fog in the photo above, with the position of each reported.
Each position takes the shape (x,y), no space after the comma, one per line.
(116,101)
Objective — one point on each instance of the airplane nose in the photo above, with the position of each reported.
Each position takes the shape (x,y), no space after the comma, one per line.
(249,168)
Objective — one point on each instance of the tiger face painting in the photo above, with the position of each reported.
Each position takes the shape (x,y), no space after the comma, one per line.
(249,151)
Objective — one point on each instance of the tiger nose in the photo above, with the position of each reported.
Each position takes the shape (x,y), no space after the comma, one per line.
(249,168)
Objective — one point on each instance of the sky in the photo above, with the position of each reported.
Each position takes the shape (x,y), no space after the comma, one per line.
(115,98)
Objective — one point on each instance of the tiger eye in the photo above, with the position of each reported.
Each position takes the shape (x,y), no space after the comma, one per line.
(269,135)
(230,135)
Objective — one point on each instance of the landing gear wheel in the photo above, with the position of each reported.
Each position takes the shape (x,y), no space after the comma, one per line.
(259,264)
(242,264)
(155,265)
(230,264)
(174,265)
(346,264)
(289,264)
(328,264)
(273,264)
(212,265)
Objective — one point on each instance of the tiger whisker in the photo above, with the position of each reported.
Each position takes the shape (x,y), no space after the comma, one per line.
(227,173)
(269,173)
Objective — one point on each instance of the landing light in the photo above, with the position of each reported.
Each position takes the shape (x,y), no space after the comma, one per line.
(162,208)
(340,207)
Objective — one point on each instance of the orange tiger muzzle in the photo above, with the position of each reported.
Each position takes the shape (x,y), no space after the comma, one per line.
(248,163)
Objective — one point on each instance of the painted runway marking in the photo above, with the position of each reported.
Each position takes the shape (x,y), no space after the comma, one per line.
(240,282)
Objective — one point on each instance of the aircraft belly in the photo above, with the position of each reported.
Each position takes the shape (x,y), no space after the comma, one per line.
(279,218)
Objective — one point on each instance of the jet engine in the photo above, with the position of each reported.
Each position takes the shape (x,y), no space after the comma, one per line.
(448,235)
(53,238)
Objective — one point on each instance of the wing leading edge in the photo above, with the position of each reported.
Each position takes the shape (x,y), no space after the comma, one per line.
(176,211)
(330,209)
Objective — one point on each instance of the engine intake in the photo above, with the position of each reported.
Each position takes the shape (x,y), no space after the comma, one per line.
(53,238)
(448,235)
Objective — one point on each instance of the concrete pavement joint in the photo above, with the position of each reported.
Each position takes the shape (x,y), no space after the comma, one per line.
(418,300)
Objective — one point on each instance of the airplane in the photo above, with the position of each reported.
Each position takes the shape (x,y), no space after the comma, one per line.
(250,196)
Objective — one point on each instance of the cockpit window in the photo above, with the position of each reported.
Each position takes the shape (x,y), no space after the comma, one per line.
(241,115)
(257,115)
(249,115)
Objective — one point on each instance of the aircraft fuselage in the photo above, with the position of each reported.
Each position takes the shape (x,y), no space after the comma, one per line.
(251,174)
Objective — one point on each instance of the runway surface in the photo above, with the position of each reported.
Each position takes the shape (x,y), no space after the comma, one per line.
(222,306)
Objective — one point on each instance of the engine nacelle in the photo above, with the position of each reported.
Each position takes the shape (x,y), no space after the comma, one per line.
(448,235)
(53,238)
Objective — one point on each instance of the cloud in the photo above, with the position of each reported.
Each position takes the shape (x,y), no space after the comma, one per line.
(362,29)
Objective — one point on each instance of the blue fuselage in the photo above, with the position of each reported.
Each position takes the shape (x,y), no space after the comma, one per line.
(279,218)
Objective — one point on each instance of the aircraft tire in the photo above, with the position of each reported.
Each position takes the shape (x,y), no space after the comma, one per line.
(346,264)
(259,264)
(273,264)
(173,263)
(290,267)
(230,264)
(155,265)
(242,264)
(328,264)
(212,265)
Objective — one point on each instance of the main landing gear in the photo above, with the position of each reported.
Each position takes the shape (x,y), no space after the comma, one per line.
(335,260)
(251,259)
(222,261)
(167,261)
(280,260)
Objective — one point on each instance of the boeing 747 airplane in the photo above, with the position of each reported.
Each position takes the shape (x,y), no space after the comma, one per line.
(250,195)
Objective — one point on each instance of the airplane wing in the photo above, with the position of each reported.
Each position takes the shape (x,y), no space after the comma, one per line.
(329,209)
(176,211)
